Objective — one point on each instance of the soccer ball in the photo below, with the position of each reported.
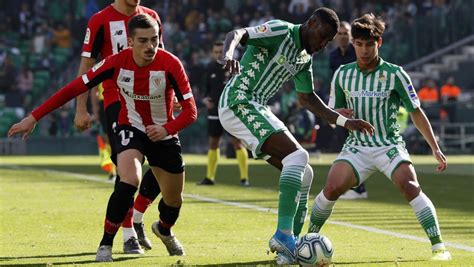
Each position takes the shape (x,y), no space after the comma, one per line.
(314,249)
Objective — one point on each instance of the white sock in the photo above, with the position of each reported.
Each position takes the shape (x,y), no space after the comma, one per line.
(127,233)
(137,216)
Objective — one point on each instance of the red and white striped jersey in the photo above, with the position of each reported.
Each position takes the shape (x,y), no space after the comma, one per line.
(146,93)
(106,35)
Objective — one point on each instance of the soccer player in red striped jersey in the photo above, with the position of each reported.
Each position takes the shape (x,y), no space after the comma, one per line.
(148,79)
(106,35)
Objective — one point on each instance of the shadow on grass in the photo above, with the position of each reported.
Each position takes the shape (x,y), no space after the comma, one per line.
(376,262)
(45,263)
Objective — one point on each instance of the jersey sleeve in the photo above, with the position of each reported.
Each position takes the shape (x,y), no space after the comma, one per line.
(100,72)
(267,34)
(180,84)
(337,99)
(406,91)
(304,79)
(94,38)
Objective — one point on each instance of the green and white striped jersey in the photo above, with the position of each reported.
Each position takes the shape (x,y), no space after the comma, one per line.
(375,97)
(274,54)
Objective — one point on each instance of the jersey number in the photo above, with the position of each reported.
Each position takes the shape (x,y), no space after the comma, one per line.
(125,136)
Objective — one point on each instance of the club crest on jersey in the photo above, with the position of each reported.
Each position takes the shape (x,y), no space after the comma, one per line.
(98,65)
(262,28)
(157,81)
(382,78)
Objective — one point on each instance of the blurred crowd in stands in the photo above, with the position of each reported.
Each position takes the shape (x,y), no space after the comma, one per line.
(41,40)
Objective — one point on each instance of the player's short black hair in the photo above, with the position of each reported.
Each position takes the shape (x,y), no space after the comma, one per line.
(367,27)
(218,43)
(141,21)
(326,16)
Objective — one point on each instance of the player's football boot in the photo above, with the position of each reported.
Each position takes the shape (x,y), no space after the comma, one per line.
(244,182)
(131,246)
(172,244)
(142,238)
(285,247)
(104,254)
(441,255)
(206,181)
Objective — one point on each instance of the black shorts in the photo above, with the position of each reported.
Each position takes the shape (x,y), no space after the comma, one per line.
(214,128)
(111,118)
(164,154)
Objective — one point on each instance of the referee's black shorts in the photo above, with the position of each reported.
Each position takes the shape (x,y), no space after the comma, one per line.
(214,126)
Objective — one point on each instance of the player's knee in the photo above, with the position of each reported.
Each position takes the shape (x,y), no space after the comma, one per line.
(299,157)
(308,176)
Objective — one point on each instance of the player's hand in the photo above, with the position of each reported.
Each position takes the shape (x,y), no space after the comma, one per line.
(231,65)
(177,106)
(25,126)
(442,162)
(346,112)
(82,120)
(360,125)
(207,101)
(156,132)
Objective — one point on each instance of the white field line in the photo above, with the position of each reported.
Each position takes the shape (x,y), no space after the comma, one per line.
(252,207)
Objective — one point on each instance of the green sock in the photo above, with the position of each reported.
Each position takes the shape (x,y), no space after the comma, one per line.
(290,186)
(320,212)
(303,203)
(426,214)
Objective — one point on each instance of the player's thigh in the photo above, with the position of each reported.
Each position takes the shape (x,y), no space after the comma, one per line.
(130,166)
(171,185)
(236,142)
(252,123)
(405,179)
(130,144)
(360,159)
(341,177)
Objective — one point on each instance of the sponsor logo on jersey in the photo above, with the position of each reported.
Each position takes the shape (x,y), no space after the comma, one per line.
(126,79)
(412,92)
(118,32)
(262,28)
(88,36)
(369,94)
(289,67)
(140,97)
(98,65)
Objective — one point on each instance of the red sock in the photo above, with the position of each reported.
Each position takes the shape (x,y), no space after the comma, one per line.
(110,227)
(128,222)
(142,203)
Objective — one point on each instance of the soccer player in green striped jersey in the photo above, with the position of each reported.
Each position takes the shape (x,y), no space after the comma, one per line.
(276,52)
(373,90)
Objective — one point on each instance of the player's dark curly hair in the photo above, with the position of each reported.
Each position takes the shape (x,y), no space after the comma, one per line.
(141,21)
(367,27)
(326,16)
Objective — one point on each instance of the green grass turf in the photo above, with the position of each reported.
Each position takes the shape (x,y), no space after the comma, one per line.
(56,218)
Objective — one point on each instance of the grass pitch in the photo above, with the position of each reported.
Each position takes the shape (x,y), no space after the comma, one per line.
(55,217)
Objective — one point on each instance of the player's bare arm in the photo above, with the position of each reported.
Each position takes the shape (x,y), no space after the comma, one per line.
(82,119)
(314,104)
(25,127)
(232,40)
(423,125)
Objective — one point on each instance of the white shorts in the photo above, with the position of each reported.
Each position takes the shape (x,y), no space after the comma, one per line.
(252,123)
(366,160)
